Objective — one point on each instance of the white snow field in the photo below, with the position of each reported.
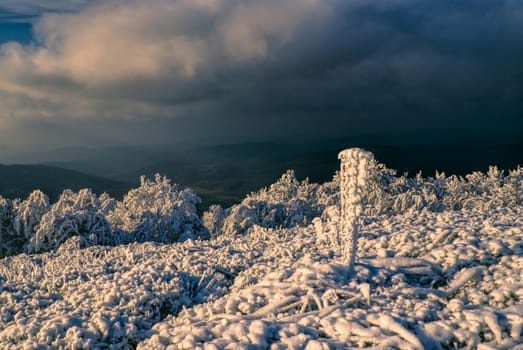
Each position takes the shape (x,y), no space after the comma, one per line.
(423,279)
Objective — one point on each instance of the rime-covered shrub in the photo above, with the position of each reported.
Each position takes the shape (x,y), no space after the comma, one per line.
(286,203)
(243,216)
(10,241)
(213,219)
(107,203)
(250,212)
(157,211)
(513,187)
(289,203)
(389,194)
(75,214)
(327,226)
(485,191)
(393,194)
(29,213)
(288,190)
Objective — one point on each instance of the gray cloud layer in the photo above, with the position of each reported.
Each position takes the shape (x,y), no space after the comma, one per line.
(26,11)
(28,8)
(202,67)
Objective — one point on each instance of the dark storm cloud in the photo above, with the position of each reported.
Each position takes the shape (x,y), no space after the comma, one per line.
(289,67)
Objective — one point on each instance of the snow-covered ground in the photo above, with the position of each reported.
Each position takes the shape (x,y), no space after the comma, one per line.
(423,279)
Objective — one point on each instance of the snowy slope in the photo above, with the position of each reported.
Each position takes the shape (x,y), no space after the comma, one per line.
(422,280)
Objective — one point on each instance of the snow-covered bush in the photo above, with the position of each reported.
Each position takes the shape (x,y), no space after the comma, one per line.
(107,203)
(75,214)
(286,203)
(157,211)
(513,187)
(485,191)
(10,241)
(213,219)
(245,215)
(390,194)
(288,190)
(327,226)
(29,213)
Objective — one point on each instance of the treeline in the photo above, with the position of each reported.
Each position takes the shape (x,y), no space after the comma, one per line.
(162,212)
(155,211)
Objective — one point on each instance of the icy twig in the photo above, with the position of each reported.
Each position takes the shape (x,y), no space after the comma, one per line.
(428,342)
(229,317)
(319,313)
(328,310)
(394,342)
(352,301)
(274,307)
(421,292)
(516,326)
(473,273)
(387,323)
(224,272)
(491,319)
(316,299)
(365,291)
(441,236)
(295,305)
(418,270)
(403,263)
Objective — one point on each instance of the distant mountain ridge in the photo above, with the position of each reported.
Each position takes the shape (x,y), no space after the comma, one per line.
(17,181)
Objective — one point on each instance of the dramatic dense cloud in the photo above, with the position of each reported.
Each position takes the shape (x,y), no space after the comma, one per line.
(20,10)
(331,66)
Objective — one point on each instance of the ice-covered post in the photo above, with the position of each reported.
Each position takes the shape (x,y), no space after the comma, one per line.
(355,165)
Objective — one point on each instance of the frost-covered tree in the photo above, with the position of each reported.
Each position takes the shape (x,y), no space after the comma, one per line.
(513,187)
(29,213)
(285,189)
(158,211)
(10,241)
(74,214)
(213,219)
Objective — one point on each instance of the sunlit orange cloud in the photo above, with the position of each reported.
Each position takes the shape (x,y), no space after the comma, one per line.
(111,46)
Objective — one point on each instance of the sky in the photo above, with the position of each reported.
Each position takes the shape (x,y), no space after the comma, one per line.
(88,73)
